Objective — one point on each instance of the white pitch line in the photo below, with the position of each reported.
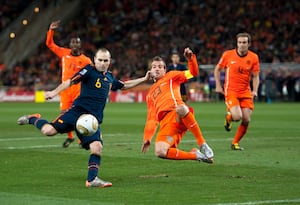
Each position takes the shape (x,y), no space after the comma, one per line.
(30,147)
(262,202)
(108,135)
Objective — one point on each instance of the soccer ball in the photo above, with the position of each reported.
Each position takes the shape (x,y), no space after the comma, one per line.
(87,124)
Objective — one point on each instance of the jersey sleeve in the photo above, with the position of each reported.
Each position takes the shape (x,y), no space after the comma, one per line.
(116,85)
(59,51)
(77,77)
(151,122)
(256,66)
(193,66)
(223,61)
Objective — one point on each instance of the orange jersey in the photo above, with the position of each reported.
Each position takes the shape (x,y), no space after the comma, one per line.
(70,64)
(238,72)
(164,96)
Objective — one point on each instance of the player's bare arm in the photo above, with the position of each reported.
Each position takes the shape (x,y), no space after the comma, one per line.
(255,84)
(51,94)
(132,83)
(219,88)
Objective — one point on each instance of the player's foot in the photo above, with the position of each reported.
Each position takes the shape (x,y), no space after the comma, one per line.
(208,153)
(98,183)
(200,156)
(67,142)
(79,144)
(25,118)
(228,122)
(236,146)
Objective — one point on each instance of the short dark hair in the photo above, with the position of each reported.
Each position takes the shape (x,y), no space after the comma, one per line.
(158,58)
(244,34)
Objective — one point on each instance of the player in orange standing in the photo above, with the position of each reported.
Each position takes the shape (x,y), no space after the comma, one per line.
(72,60)
(241,66)
(167,109)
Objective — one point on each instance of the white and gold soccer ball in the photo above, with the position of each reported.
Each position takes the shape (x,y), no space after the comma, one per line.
(87,124)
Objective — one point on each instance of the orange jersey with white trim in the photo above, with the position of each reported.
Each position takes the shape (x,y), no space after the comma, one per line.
(70,64)
(239,70)
(163,96)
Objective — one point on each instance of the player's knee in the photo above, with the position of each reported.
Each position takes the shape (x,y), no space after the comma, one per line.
(236,117)
(96,148)
(48,130)
(161,153)
(182,110)
(246,121)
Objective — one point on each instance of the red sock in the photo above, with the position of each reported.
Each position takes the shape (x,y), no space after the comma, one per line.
(241,131)
(70,135)
(176,154)
(190,122)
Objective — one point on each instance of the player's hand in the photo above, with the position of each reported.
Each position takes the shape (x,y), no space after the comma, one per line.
(49,95)
(54,25)
(254,94)
(188,53)
(146,146)
(148,75)
(219,90)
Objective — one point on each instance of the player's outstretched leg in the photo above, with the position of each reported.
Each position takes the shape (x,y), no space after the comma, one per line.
(25,119)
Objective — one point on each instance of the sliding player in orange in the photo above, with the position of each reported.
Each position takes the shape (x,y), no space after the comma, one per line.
(72,60)
(167,109)
(241,65)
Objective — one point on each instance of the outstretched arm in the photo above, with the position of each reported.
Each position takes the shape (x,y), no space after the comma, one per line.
(192,61)
(132,83)
(150,127)
(49,40)
(51,94)
(54,25)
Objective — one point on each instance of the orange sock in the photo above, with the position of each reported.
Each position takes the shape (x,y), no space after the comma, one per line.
(70,135)
(190,122)
(228,116)
(241,131)
(176,154)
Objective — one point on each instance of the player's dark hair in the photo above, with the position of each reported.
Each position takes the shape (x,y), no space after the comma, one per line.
(244,34)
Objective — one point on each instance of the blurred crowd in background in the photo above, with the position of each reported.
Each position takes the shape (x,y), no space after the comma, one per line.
(135,31)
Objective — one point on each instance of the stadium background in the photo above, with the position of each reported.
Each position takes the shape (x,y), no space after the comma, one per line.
(135,31)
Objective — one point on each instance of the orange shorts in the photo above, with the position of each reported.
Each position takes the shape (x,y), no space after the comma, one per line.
(232,101)
(170,131)
(68,96)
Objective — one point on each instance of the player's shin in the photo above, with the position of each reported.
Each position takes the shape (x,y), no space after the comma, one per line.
(38,122)
(190,122)
(176,154)
(93,167)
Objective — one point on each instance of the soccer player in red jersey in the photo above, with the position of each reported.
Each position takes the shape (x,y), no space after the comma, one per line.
(167,109)
(72,60)
(241,66)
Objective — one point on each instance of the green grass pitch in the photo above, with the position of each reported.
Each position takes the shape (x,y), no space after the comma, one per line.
(36,169)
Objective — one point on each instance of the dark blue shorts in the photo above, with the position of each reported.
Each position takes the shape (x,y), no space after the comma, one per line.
(66,122)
